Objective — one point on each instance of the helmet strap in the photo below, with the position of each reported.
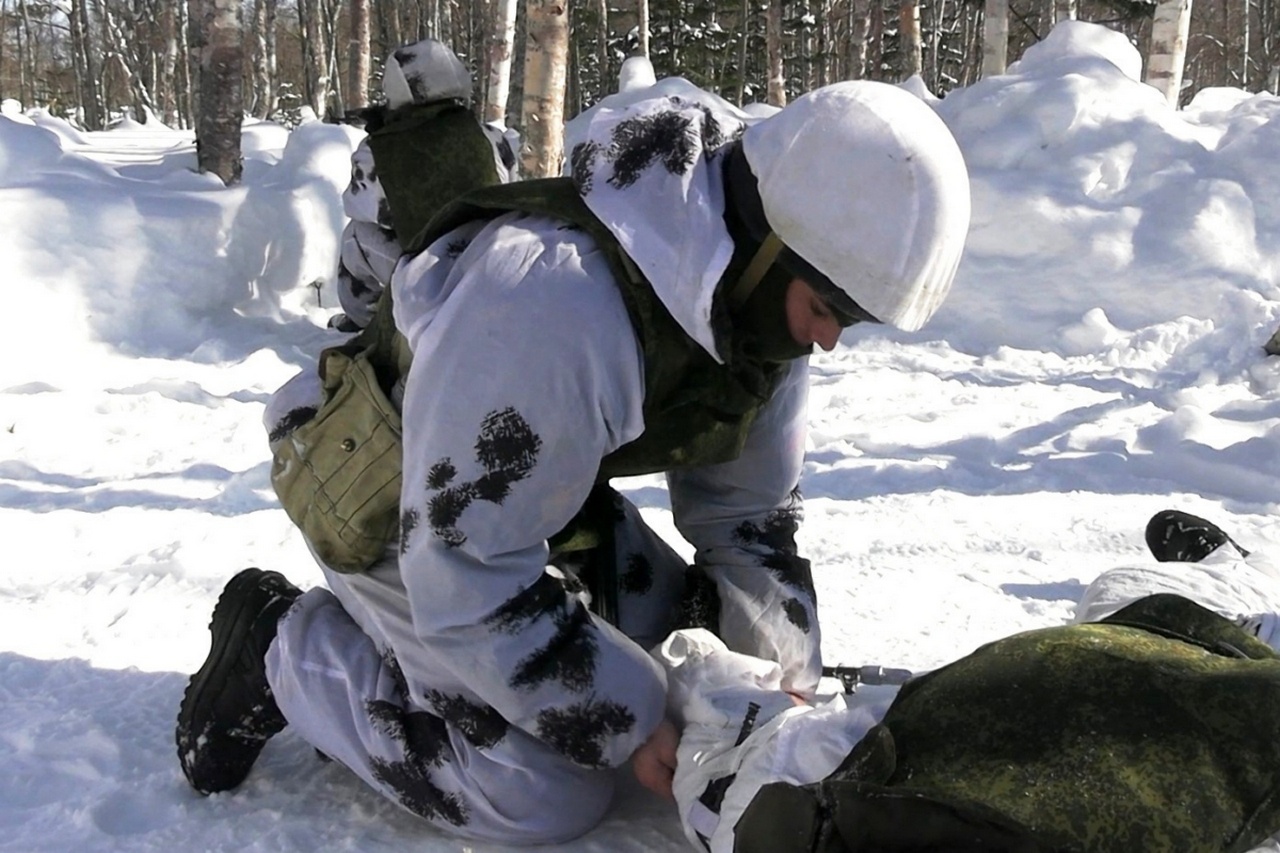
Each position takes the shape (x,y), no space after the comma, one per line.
(751,277)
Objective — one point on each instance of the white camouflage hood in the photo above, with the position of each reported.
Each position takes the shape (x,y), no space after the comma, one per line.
(645,169)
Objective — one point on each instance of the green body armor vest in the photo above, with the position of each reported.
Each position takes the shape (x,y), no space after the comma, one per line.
(696,411)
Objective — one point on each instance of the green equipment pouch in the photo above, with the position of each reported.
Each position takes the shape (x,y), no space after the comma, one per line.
(338,475)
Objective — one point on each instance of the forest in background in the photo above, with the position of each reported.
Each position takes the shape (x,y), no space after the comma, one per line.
(94,61)
(89,59)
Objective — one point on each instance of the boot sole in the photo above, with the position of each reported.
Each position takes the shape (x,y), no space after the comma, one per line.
(224,648)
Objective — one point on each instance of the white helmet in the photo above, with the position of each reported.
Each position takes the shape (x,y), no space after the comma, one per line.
(422,72)
(865,186)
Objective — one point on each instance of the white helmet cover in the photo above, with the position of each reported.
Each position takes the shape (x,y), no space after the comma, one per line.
(422,72)
(866,184)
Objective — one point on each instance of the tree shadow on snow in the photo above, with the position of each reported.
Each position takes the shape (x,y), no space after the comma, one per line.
(238,492)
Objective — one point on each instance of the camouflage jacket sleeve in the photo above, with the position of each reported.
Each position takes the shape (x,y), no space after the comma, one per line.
(369,250)
(367,259)
(742,517)
(525,374)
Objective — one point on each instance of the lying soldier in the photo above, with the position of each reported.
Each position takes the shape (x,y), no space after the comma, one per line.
(1155,728)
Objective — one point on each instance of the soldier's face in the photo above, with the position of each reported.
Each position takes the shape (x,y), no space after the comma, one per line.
(809,319)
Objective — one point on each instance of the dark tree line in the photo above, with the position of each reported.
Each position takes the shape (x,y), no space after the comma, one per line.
(96,60)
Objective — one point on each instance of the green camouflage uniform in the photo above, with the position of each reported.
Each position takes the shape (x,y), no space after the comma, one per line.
(1154,731)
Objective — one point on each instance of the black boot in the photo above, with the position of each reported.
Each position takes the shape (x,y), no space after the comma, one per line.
(228,713)
(1180,537)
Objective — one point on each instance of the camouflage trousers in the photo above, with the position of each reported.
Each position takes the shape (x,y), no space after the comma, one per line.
(355,681)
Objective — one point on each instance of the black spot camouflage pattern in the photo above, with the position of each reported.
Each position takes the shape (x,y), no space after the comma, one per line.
(363,174)
(700,606)
(351,282)
(778,536)
(637,578)
(480,724)
(506,448)
(578,732)
(419,83)
(292,419)
(674,138)
(505,153)
(424,740)
(541,598)
(581,163)
(409,520)
(569,656)
(385,219)
(664,136)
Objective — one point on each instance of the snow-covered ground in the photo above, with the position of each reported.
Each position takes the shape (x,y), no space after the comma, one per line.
(1100,359)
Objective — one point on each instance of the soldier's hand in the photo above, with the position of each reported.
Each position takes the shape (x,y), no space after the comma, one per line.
(654,763)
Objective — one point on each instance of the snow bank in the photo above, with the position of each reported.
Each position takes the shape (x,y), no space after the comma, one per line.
(111,245)
(1090,193)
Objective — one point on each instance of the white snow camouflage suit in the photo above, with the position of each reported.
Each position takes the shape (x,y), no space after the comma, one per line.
(462,677)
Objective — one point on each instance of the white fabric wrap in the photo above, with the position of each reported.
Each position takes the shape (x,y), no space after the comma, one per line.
(710,691)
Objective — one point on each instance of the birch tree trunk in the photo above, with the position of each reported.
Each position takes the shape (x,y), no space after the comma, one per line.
(939,19)
(264,58)
(186,66)
(171,28)
(642,13)
(358,68)
(602,48)
(875,41)
(826,53)
(501,49)
(444,9)
(741,87)
(26,62)
(859,30)
(542,114)
(1244,62)
(995,37)
(1169,47)
(389,15)
(329,25)
(1064,10)
(429,20)
(77,61)
(124,51)
(806,47)
(93,67)
(317,60)
(909,41)
(194,41)
(776,92)
(221,58)
(90,81)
